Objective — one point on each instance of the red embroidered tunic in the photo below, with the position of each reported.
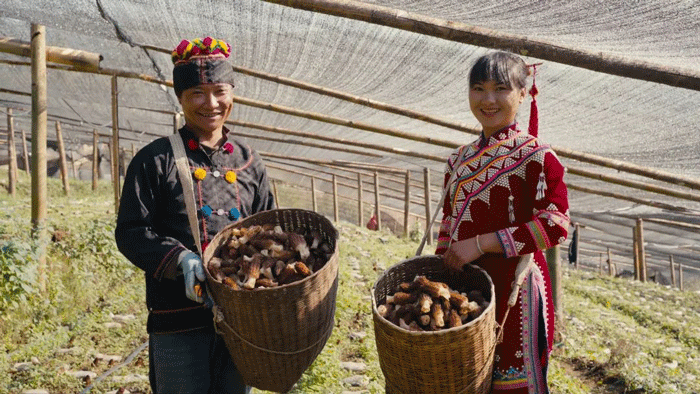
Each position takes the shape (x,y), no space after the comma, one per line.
(513,185)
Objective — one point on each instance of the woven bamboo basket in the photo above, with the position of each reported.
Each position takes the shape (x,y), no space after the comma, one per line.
(458,360)
(274,334)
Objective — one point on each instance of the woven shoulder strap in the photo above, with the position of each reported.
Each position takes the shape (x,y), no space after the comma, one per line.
(183,171)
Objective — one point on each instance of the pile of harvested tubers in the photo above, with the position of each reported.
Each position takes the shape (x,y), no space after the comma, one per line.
(425,305)
(266,256)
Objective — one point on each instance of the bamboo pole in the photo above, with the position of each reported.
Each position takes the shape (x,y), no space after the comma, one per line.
(633,184)
(482,37)
(12,172)
(680,276)
(343,122)
(562,152)
(314,204)
(366,166)
(619,196)
(377,211)
(641,256)
(115,144)
(673,270)
(407,203)
(72,57)
(360,219)
(39,182)
(428,212)
(336,214)
(25,152)
(63,164)
(95,159)
(364,101)
(274,191)
(308,143)
(349,185)
(611,270)
(635,253)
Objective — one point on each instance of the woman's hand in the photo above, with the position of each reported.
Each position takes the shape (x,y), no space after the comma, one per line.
(461,253)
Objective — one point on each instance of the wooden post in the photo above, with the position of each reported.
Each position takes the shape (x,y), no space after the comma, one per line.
(428,213)
(133,151)
(377,210)
(407,203)
(274,191)
(360,218)
(553,258)
(12,155)
(673,271)
(611,269)
(600,264)
(680,276)
(577,239)
(640,251)
(95,159)
(336,215)
(72,165)
(314,204)
(63,165)
(635,252)
(25,152)
(39,120)
(115,143)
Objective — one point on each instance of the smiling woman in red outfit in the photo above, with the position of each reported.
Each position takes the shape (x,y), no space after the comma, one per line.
(507,198)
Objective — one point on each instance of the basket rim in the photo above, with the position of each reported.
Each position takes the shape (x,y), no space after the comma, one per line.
(478,320)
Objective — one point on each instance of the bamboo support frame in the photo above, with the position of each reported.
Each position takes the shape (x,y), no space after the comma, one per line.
(307,143)
(274,191)
(115,143)
(377,211)
(673,270)
(428,212)
(407,203)
(39,122)
(314,203)
(482,37)
(619,196)
(360,219)
(63,164)
(563,152)
(83,60)
(25,153)
(352,171)
(12,155)
(336,213)
(95,159)
(364,101)
(641,255)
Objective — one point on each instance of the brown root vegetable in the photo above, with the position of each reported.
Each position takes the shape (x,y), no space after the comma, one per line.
(435,289)
(385,309)
(437,317)
(424,302)
(302,269)
(265,282)
(400,298)
(453,319)
(298,244)
(231,283)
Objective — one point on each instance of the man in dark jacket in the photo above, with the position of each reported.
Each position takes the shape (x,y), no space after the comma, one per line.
(153,232)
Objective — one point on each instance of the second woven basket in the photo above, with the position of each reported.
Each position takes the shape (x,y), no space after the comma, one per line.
(458,360)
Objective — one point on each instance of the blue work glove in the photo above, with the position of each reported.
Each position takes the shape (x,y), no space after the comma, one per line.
(192,268)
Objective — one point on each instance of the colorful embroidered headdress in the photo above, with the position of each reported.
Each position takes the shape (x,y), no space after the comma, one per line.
(201,61)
